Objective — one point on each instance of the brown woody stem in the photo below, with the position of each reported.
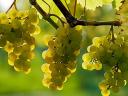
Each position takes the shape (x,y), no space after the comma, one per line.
(43,13)
(74,22)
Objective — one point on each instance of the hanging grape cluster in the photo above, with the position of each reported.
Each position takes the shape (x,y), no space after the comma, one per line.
(109,52)
(16,37)
(61,57)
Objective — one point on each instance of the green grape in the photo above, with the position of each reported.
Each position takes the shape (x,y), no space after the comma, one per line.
(108,75)
(17,50)
(3,41)
(98,66)
(16,37)
(11,58)
(61,56)
(22,65)
(12,14)
(45,68)
(87,57)
(121,83)
(103,85)
(9,47)
(88,66)
(32,16)
(5,29)
(105,93)
(4,19)
(30,40)
(97,41)
(115,88)
(92,48)
(15,24)
(110,53)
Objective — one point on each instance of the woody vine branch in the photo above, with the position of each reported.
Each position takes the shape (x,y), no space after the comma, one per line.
(70,19)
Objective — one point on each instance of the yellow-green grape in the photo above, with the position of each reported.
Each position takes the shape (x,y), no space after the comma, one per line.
(15,24)
(17,50)
(88,66)
(91,62)
(17,29)
(97,41)
(32,16)
(9,47)
(2,41)
(3,18)
(109,52)
(98,65)
(12,14)
(87,57)
(105,93)
(11,58)
(22,65)
(61,57)
(92,48)
(104,87)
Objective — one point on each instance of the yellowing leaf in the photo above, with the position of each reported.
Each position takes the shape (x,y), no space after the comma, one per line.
(107,1)
(118,4)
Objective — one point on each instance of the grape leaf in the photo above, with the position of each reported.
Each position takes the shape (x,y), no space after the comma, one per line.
(53,8)
(92,4)
(124,7)
(22,4)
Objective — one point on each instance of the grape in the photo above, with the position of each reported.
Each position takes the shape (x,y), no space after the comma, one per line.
(22,65)
(111,54)
(33,17)
(105,93)
(2,41)
(11,58)
(17,50)
(16,37)
(87,57)
(108,75)
(12,14)
(9,47)
(61,56)
(92,48)
(45,68)
(15,24)
(98,66)
(4,19)
(88,66)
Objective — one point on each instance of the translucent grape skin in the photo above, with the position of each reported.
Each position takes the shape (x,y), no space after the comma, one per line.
(17,39)
(61,57)
(107,52)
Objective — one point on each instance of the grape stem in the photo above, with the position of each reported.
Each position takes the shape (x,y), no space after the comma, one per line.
(14,3)
(74,21)
(43,13)
(75,3)
(58,18)
(70,19)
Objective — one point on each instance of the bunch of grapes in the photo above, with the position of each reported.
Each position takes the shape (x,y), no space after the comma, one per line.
(109,52)
(61,56)
(16,37)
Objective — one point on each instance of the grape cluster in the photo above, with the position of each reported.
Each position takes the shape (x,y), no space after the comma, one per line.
(109,52)
(16,37)
(61,56)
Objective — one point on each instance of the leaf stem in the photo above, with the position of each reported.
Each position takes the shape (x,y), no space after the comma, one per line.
(75,3)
